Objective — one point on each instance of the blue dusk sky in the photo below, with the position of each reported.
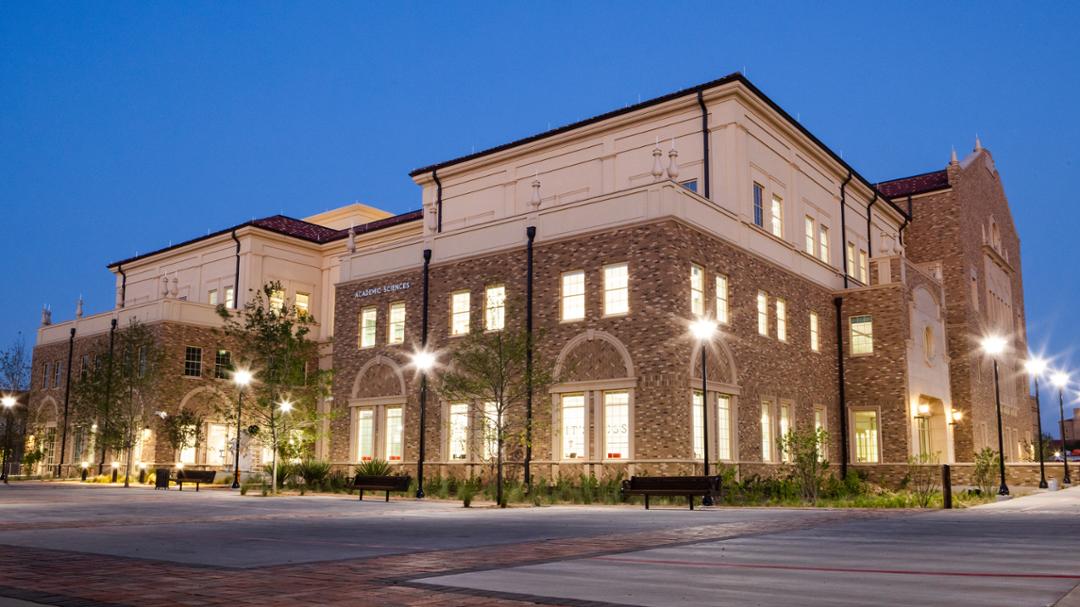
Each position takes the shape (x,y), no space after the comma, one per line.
(127,126)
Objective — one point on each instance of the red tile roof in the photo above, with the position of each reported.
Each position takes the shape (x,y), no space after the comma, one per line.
(295,228)
(916,184)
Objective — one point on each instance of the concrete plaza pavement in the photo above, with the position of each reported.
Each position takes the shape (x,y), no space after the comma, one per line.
(72,544)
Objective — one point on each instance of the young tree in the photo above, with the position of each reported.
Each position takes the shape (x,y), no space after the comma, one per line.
(14,378)
(489,368)
(806,450)
(273,340)
(185,429)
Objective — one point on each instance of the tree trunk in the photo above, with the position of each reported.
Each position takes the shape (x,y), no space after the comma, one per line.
(499,473)
(131,447)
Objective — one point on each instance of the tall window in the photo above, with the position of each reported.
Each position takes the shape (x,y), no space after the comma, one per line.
(864,274)
(759,211)
(58,370)
(573,295)
(616,425)
(766,431)
(823,243)
(777,217)
(815,337)
(785,427)
(187,450)
(491,431)
(211,297)
(810,231)
(697,290)
(365,435)
(369,318)
(722,309)
(192,361)
(723,426)
(573,426)
(459,431)
(851,260)
(396,332)
(277,300)
(393,434)
(616,289)
(820,425)
(303,304)
(459,313)
(781,319)
(230,297)
(495,308)
(862,335)
(866,437)
(699,425)
(222,364)
(762,313)
(45,375)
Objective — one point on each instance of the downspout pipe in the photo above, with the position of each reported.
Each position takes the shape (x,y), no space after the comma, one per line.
(907,220)
(843,226)
(67,399)
(869,235)
(438,200)
(123,285)
(108,395)
(530,232)
(236,279)
(705,142)
(423,377)
(839,303)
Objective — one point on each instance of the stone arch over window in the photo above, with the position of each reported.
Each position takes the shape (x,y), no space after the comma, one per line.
(47,411)
(720,364)
(379,377)
(593,356)
(202,399)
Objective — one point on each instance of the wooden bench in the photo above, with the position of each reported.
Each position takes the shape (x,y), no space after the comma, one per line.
(162,478)
(381,483)
(689,486)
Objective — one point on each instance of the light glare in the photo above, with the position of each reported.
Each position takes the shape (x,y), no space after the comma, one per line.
(242,377)
(703,329)
(1060,379)
(994,344)
(423,360)
(1035,366)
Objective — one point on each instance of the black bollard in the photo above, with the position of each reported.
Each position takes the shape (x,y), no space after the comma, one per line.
(946,486)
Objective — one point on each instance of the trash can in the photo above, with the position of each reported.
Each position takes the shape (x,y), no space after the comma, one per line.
(1052,484)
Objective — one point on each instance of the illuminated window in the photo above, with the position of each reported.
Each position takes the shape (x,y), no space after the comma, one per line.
(365,435)
(277,300)
(823,243)
(810,231)
(866,437)
(862,335)
(697,290)
(211,297)
(218,444)
(192,362)
(815,339)
(393,434)
(573,426)
(699,425)
(396,332)
(459,313)
(617,424)
(495,308)
(222,364)
(303,304)
(573,295)
(723,426)
(762,313)
(616,289)
(722,309)
(781,319)
(759,211)
(459,431)
(368,326)
(766,432)
(491,430)
(820,425)
(785,427)
(187,450)
(864,274)
(230,297)
(777,217)
(851,260)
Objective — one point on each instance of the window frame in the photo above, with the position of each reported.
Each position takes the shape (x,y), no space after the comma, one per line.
(850,256)
(230,297)
(493,307)
(699,271)
(854,413)
(564,296)
(864,267)
(460,452)
(395,329)
(759,205)
(609,290)
(563,456)
(815,332)
(302,310)
(762,313)
(222,364)
(811,235)
(607,424)
(191,364)
(780,306)
(212,297)
(867,336)
(768,431)
(367,330)
(823,243)
(776,216)
(723,295)
(455,314)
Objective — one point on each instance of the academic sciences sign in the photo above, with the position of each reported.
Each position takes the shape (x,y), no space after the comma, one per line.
(387,288)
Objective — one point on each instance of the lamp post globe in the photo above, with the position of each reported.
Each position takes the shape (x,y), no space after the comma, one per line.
(994,346)
(8,401)
(1060,379)
(703,331)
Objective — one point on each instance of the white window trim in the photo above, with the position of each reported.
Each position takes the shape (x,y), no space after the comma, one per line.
(854,445)
(604,277)
(584,296)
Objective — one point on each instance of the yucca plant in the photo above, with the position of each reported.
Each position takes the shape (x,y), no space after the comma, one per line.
(374,467)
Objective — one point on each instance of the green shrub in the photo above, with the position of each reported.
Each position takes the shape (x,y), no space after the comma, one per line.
(804,448)
(374,467)
(286,472)
(313,471)
(922,478)
(466,492)
(983,474)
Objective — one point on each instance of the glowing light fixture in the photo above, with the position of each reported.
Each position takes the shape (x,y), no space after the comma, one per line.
(703,329)
(993,344)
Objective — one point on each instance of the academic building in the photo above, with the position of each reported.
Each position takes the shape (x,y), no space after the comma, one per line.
(841,304)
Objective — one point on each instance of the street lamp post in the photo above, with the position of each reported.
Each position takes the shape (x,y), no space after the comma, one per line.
(1061,379)
(994,346)
(1036,367)
(423,361)
(241,378)
(703,331)
(9,405)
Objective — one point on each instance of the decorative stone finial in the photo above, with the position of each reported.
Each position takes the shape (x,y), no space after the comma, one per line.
(46,316)
(978,144)
(431,216)
(673,162)
(165,285)
(175,290)
(535,200)
(953,159)
(351,243)
(79,307)
(657,166)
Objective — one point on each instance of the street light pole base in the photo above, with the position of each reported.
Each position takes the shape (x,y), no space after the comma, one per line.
(1042,484)
(419,494)
(707,501)
(235,485)
(1003,490)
